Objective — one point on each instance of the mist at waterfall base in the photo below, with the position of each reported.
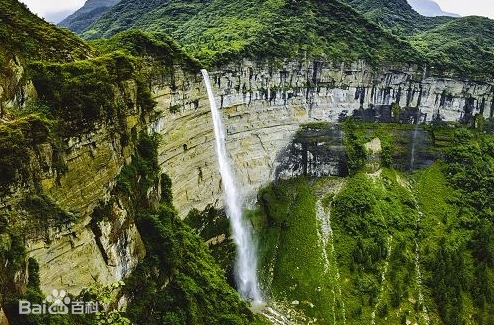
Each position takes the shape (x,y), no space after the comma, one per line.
(246,259)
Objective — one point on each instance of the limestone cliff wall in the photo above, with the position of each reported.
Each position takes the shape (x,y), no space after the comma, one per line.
(263,106)
(87,252)
(75,254)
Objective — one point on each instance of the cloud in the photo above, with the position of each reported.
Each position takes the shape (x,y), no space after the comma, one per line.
(56,17)
(46,8)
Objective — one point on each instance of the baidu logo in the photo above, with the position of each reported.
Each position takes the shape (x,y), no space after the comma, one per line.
(58,303)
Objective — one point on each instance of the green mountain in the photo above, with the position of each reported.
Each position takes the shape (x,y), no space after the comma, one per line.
(221,30)
(464,44)
(30,37)
(452,46)
(396,15)
(83,17)
(155,15)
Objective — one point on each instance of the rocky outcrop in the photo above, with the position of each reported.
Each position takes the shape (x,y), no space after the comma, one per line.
(73,255)
(15,88)
(316,150)
(66,181)
(263,106)
(3,318)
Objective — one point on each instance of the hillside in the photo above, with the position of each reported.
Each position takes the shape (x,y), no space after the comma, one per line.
(395,15)
(221,30)
(155,15)
(452,46)
(83,17)
(465,45)
(383,246)
(30,37)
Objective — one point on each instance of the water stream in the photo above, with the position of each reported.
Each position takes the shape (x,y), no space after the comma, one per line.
(326,237)
(246,259)
(414,137)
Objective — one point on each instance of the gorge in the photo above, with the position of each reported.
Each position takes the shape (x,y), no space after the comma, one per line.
(363,161)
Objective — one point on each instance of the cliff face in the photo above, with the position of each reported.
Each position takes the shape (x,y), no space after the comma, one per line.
(89,250)
(14,86)
(264,105)
(54,199)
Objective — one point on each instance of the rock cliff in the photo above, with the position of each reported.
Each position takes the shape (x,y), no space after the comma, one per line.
(263,106)
(62,181)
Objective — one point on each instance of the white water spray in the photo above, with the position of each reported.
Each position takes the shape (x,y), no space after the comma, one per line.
(246,262)
(414,137)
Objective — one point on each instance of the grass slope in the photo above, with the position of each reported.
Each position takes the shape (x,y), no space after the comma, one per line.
(403,247)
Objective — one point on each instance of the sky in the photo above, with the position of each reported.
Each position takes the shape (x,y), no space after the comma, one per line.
(52,10)
(468,7)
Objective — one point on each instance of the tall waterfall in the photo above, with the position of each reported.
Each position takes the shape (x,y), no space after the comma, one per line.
(246,260)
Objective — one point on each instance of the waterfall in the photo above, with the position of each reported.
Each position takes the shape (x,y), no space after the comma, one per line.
(246,259)
(414,137)
(412,156)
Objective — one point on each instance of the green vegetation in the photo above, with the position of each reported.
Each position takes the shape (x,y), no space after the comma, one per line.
(383,31)
(290,261)
(397,237)
(138,14)
(221,31)
(28,37)
(16,139)
(84,92)
(457,46)
(158,46)
(214,228)
(136,178)
(396,16)
(178,282)
(354,147)
(450,46)
(45,214)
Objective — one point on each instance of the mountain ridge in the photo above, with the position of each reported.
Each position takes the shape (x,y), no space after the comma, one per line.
(28,36)
(398,16)
(87,14)
(429,8)
(218,31)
